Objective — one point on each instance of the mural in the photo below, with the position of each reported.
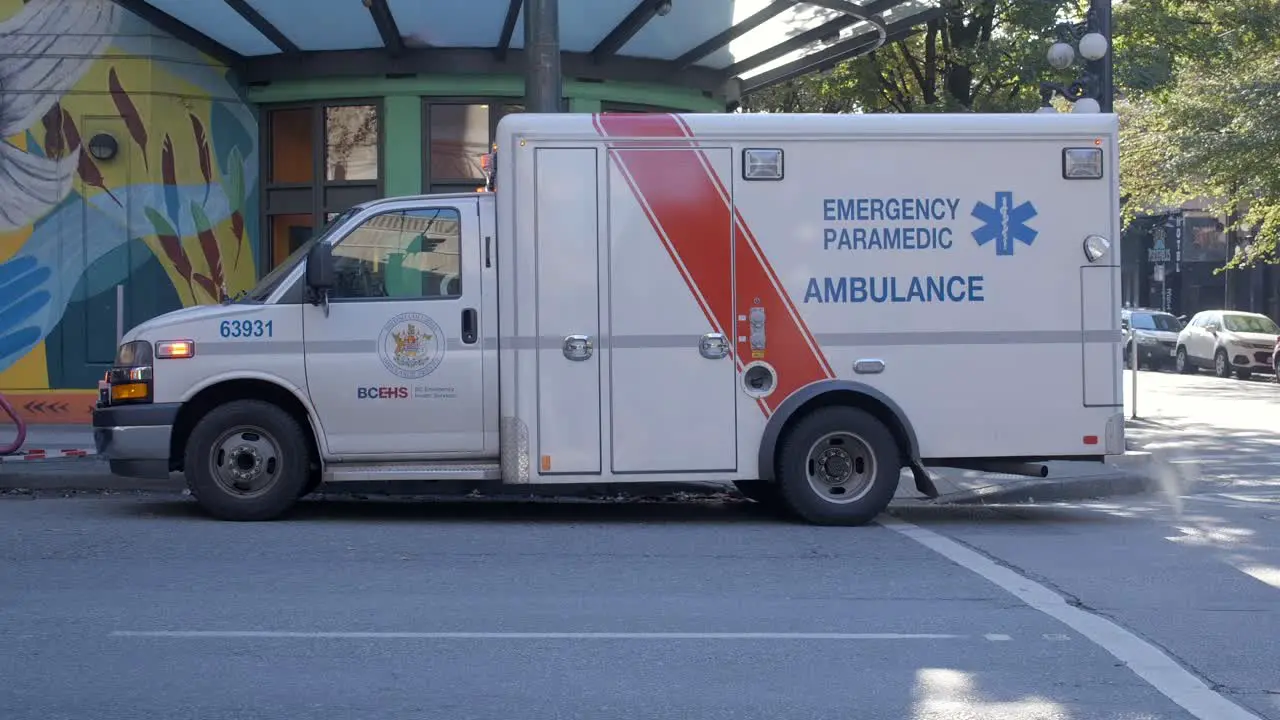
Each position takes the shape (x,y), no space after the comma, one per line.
(171,215)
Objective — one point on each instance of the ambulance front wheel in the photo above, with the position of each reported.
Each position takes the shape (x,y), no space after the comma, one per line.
(247,460)
(838,466)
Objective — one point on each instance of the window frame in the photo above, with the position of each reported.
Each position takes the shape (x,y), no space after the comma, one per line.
(401,210)
(435,185)
(317,208)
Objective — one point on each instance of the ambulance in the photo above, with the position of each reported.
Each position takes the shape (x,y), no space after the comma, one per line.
(804,306)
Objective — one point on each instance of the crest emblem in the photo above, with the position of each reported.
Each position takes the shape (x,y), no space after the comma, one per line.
(411,345)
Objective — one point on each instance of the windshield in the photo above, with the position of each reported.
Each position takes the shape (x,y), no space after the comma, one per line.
(1155,321)
(268,283)
(1250,324)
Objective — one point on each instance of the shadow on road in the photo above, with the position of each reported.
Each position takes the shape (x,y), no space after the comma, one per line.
(570,512)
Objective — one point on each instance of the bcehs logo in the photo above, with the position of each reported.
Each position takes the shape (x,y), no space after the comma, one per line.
(392,392)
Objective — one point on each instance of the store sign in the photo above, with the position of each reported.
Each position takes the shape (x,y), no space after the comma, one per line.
(1159,252)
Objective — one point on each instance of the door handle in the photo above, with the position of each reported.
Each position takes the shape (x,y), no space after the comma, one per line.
(469,326)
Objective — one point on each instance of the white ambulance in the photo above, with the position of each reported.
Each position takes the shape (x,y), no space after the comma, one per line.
(802,305)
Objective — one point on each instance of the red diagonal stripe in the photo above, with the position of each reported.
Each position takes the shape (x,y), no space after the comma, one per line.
(689,204)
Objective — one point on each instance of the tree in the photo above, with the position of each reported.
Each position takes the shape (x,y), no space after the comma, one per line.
(1205,124)
(979,56)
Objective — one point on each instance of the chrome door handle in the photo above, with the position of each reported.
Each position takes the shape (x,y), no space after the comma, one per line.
(577,347)
(713,346)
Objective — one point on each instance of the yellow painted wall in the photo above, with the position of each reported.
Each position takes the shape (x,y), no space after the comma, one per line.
(182,185)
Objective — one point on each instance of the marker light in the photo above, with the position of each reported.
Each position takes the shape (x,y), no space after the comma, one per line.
(1095,247)
(175,349)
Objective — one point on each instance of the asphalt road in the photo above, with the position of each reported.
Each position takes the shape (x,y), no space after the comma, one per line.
(1167,608)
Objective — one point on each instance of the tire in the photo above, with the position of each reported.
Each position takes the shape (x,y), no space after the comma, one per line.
(1275,370)
(850,438)
(1182,363)
(1221,364)
(254,432)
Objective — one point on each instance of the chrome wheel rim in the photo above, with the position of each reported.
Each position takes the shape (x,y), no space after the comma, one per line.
(841,468)
(245,461)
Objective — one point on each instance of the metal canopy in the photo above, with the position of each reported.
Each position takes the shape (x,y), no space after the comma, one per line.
(721,47)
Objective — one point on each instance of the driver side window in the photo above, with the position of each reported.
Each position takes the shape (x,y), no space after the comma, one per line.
(401,255)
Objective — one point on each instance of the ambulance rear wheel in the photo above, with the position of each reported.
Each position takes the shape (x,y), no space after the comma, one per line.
(838,466)
(247,460)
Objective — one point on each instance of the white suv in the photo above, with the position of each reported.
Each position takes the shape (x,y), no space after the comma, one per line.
(1227,341)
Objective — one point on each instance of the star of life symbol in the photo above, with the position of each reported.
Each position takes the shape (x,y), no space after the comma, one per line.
(1004,223)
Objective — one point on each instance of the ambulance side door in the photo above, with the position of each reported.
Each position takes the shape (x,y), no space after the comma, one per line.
(395,367)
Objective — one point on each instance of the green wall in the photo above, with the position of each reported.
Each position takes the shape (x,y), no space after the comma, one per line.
(402,97)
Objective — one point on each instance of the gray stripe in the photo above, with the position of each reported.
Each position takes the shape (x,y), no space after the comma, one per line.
(635,342)
(968,337)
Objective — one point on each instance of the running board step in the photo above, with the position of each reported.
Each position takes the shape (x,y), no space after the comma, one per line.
(386,472)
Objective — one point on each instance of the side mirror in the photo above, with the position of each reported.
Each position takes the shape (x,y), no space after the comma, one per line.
(320,273)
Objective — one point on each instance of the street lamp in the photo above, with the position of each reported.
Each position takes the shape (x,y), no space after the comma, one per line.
(1091,91)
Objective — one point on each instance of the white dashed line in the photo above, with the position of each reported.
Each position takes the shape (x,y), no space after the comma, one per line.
(998,638)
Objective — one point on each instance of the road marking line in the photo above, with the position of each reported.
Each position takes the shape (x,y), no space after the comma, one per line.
(1144,659)
(995,637)
(277,634)
(1056,637)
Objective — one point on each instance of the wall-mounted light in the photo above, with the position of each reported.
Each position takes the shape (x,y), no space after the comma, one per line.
(664,7)
(103,147)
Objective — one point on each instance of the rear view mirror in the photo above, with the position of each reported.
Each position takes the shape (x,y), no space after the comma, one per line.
(320,274)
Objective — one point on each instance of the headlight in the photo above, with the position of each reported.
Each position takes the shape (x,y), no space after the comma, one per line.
(130,375)
(1148,340)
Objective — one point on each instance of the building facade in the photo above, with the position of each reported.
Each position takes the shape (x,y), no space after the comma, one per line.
(1174,261)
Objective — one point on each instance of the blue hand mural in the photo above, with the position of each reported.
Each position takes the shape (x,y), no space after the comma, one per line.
(23,300)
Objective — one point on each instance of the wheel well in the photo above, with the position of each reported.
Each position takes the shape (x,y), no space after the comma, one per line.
(852,398)
(229,391)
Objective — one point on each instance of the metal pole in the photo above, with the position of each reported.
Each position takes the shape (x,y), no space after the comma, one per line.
(1102,69)
(119,314)
(1133,360)
(542,56)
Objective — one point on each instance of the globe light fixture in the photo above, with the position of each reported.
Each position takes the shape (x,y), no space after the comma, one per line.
(1061,55)
(1047,109)
(1086,105)
(1093,46)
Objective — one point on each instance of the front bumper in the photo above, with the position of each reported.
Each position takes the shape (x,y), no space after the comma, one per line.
(134,439)
(1259,361)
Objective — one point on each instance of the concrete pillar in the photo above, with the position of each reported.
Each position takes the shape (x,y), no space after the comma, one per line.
(542,81)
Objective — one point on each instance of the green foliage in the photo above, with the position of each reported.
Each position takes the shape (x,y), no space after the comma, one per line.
(980,56)
(1211,129)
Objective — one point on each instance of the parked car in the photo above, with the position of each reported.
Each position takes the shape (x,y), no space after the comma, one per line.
(1275,362)
(1156,333)
(1228,341)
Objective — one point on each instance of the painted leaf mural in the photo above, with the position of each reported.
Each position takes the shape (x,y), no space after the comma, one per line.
(209,246)
(128,113)
(168,216)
